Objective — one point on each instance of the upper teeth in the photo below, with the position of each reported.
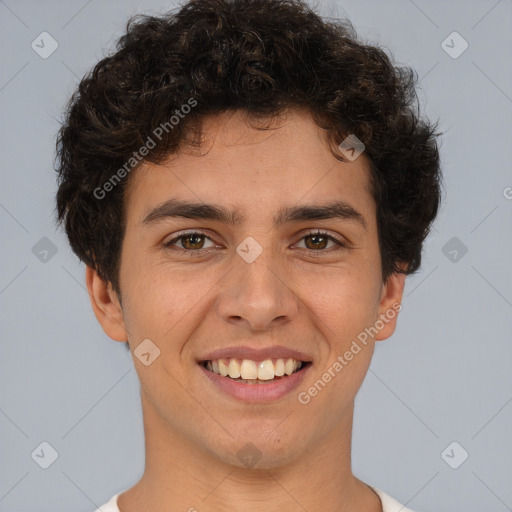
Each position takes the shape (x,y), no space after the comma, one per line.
(248,369)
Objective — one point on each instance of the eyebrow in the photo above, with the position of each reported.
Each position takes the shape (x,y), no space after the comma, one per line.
(174,208)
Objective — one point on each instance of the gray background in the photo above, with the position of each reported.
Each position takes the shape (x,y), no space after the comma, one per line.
(444,376)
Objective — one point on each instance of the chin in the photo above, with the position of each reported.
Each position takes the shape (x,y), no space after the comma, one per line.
(260,449)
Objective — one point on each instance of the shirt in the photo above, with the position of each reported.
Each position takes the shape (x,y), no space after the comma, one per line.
(388,503)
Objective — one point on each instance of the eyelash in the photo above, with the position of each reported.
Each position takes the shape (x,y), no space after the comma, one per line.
(312,252)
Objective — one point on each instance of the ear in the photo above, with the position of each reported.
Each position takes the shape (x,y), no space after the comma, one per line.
(390,305)
(106,306)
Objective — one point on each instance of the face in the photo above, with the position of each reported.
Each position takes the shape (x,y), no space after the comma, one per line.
(270,273)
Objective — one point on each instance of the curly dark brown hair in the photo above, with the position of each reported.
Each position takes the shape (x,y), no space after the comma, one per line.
(260,56)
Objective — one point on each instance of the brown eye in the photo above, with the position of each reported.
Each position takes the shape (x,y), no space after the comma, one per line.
(318,241)
(189,242)
(193,241)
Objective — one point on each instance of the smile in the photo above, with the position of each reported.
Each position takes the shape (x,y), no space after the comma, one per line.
(255,381)
(253,372)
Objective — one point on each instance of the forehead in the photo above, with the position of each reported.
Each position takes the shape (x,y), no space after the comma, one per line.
(240,163)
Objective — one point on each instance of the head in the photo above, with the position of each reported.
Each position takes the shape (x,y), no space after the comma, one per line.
(240,107)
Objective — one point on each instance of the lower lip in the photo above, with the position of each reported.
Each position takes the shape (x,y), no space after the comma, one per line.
(267,392)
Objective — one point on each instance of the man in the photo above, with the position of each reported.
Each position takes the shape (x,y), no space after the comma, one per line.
(249,187)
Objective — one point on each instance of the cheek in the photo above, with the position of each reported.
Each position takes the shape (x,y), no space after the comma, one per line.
(162,301)
(345,300)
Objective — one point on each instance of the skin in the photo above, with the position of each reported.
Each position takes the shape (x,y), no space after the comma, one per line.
(190,305)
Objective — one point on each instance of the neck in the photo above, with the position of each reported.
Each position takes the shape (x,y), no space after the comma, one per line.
(187,477)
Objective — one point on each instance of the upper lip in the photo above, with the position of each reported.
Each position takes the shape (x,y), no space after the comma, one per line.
(256,354)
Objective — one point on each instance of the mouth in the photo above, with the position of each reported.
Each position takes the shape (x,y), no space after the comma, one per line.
(247,371)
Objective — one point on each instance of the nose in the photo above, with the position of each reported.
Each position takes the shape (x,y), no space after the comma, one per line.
(257,295)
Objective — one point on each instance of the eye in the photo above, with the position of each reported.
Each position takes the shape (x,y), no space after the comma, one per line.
(192,242)
(318,240)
